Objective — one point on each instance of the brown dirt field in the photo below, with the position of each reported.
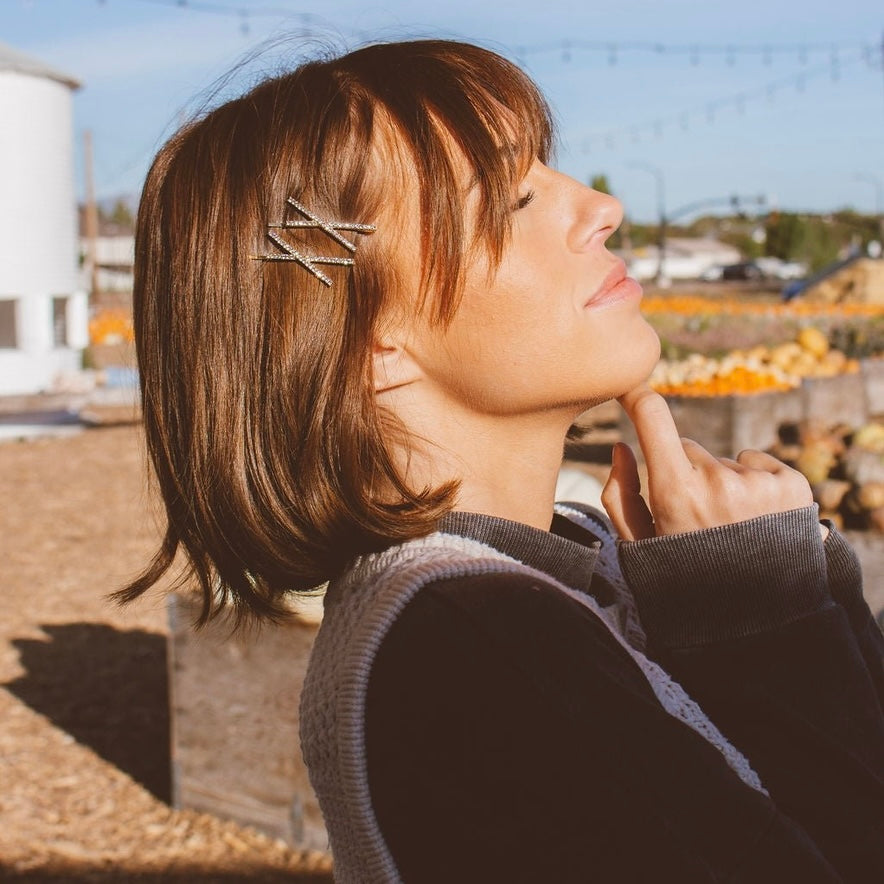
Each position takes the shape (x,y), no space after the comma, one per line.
(84,722)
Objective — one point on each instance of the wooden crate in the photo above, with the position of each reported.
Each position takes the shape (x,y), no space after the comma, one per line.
(235,747)
(836,400)
(725,425)
(873,381)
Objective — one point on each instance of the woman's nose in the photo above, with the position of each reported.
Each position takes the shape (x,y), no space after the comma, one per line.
(598,216)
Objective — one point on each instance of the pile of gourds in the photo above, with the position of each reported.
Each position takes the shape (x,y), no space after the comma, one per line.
(698,305)
(845,469)
(111,326)
(761,369)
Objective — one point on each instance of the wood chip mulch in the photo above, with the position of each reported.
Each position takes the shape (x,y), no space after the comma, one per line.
(84,721)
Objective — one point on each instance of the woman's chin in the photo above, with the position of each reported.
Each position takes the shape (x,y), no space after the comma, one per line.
(643,360)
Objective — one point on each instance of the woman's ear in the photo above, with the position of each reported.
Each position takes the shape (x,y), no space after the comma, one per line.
(393,366)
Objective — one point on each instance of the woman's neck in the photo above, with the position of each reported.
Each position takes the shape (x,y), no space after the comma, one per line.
(507,466)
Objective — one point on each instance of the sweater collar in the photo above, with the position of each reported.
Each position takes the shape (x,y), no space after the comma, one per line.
(567,552)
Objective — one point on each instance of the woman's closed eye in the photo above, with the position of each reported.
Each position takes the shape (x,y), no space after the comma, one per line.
(523,201)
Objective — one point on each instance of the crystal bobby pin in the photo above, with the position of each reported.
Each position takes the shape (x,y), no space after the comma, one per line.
(309,262)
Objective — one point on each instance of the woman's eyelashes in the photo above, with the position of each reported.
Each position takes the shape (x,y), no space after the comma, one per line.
(523,201)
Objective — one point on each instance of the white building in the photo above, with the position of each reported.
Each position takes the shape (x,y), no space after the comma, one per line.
(43,309)
(686,258)
(115,256)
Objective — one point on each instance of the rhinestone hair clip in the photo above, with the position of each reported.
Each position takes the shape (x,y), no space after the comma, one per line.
(309,262)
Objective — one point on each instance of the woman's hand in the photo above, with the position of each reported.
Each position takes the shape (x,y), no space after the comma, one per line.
(688,488)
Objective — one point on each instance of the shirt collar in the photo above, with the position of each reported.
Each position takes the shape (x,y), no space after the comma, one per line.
(567,552)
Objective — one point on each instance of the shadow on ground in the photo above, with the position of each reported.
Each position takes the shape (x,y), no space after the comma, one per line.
(183,876)
(109,690)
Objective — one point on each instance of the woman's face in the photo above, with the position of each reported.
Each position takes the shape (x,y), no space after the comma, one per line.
(556,326)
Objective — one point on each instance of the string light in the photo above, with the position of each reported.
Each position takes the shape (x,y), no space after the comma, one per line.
(737,102)
(613,50)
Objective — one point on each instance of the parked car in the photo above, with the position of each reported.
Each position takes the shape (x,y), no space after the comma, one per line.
(743,270)
(776,268)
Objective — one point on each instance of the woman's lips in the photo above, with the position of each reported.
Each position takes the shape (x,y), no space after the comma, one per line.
(617,286)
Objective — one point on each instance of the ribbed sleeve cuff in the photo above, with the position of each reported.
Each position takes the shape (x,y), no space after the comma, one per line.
(728,582)
(844,570)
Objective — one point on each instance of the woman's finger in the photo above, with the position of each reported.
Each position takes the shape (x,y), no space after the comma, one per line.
(760,460)
(697,455)
(656,430)
(622,498)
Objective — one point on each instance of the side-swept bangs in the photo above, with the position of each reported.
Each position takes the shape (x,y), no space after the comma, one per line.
(442,97)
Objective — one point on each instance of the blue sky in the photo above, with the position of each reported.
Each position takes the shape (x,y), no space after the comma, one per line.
(801,144)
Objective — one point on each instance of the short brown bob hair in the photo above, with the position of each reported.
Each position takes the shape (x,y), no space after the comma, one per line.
(257,392)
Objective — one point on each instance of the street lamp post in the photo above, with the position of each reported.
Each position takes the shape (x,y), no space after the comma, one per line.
(879,199)
(661,214)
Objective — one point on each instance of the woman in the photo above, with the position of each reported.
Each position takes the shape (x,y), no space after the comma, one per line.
(367,312)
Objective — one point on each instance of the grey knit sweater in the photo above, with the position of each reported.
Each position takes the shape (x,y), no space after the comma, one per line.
(360,609)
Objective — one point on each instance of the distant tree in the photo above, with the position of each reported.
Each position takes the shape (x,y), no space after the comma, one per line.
(821,243)
(785,232)
(121,214)
(600,183)
(743,241)
(815,240)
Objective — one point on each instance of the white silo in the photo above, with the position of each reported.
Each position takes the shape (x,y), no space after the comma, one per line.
(43,315)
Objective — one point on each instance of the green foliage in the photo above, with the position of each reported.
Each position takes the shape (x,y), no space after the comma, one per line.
(742,240)
(859,338)
(600,183)
(818,240)
(815,240)
(120,215)
(784,233)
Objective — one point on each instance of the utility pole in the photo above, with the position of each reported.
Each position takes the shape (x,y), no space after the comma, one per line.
(91,216)
(661,215)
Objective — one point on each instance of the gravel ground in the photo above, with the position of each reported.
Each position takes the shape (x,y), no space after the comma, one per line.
(84,777)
